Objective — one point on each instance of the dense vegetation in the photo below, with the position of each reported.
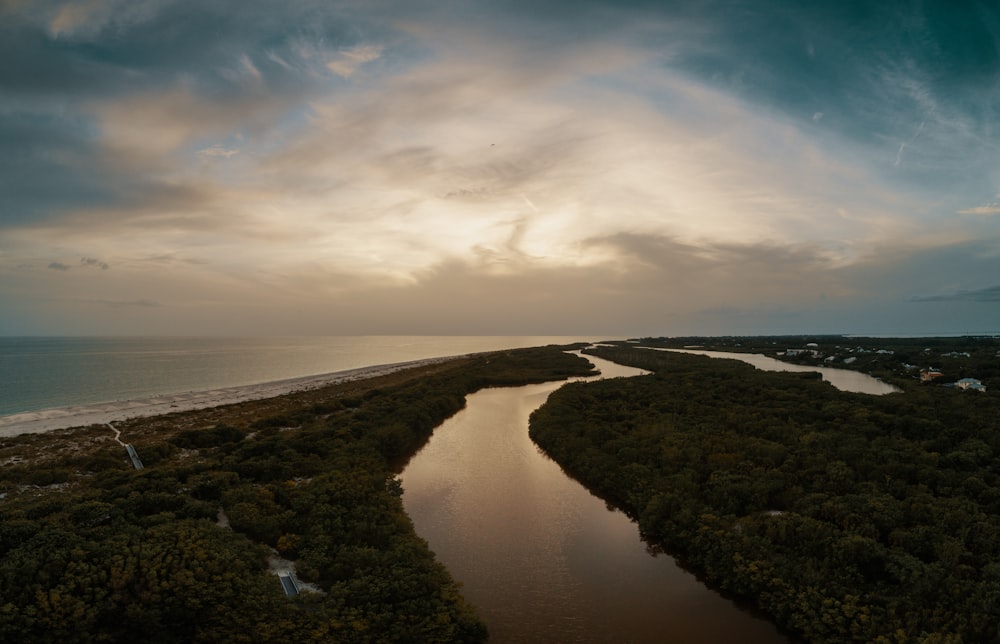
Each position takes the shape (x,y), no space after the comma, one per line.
(846,517)
(92,550)
(898,360)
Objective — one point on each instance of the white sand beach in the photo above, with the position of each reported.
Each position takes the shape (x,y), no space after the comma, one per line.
(100,413)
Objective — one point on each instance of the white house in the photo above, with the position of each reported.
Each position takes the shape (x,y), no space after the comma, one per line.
(970,383)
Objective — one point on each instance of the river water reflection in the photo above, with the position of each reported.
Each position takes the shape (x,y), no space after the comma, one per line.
(843,379)
(541,558)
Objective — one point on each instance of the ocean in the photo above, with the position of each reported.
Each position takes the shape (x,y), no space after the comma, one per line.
(39,373)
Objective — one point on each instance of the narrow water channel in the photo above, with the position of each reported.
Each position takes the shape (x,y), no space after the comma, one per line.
(541,558)
(843,379)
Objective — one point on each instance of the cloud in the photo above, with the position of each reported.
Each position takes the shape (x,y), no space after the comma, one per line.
(988,209)
(79,122)
(346,62)
(96,263)
(648,157)
(78,16)
(459,158)
(217,150)
(48,164)
(277,59)
(249,67)
(989,294)
(87,18)
(244,72)
(146,127)
(59,266)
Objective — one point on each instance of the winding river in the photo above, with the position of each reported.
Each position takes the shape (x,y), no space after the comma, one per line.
(541,558)
(843,379)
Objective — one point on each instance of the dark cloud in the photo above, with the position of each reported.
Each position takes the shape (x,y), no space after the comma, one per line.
(125,49)
(866,67)
(52,156)
(990,294)
(781,261)
(806,55)
(228,140)
(45,67)
(96,263)
(48,161)
(883,75)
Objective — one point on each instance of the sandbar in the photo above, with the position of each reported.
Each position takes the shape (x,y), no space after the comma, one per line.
(33,422)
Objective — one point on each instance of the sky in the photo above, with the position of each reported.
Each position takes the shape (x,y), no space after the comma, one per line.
(325,167)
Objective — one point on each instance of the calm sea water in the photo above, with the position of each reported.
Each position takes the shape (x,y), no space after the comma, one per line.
(43,373)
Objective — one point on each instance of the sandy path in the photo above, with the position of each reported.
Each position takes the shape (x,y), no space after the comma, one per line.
(103,413)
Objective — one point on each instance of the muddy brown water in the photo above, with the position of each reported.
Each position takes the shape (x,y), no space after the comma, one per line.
(541,558)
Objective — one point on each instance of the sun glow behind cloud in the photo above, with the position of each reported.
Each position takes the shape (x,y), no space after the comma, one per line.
(368,160)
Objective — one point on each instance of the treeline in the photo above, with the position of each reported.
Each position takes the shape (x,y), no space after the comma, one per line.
(898,360)
(92,550)
(845,517)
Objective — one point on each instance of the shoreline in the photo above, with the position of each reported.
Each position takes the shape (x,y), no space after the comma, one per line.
(45,420)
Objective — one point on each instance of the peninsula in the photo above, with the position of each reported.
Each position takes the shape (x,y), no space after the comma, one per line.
(93,549)
(844,516)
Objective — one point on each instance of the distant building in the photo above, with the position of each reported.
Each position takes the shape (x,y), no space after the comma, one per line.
(970,384)
(791,353)
(928,375)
